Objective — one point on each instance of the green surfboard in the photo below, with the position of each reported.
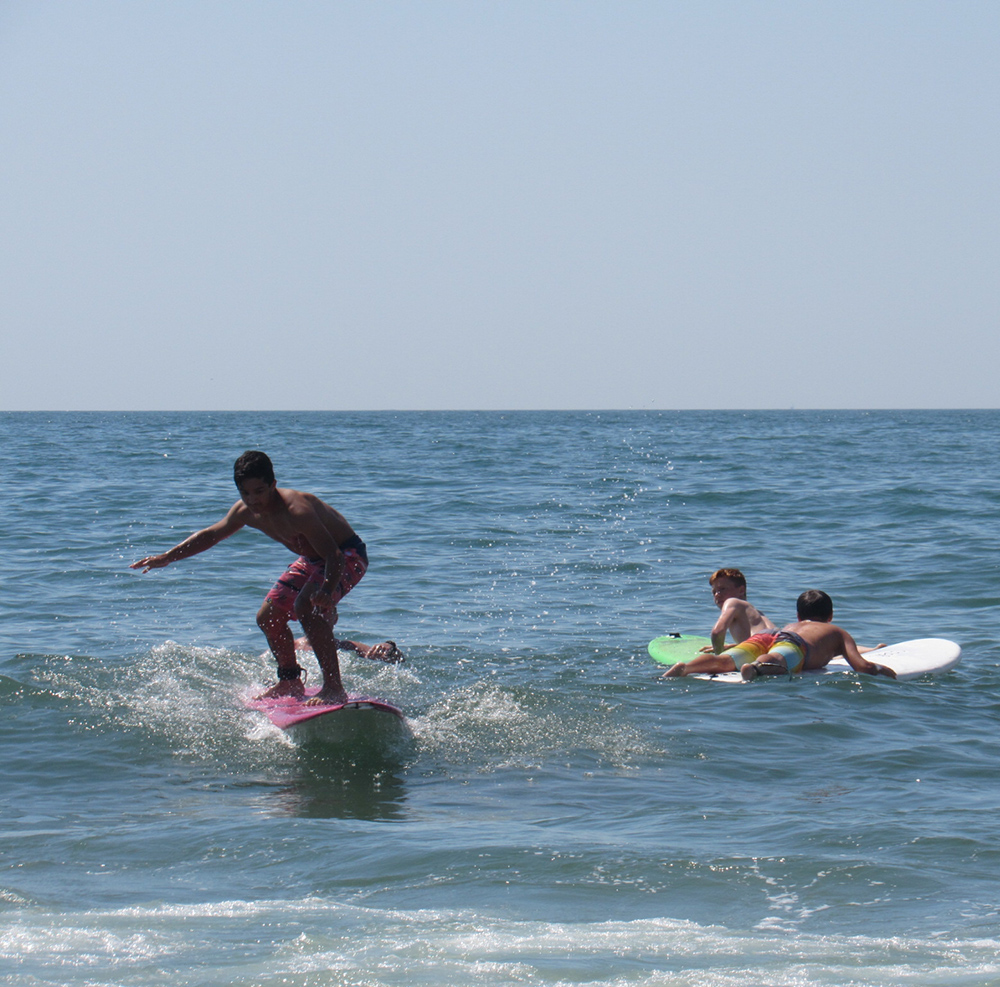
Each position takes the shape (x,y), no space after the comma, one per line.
(672,648)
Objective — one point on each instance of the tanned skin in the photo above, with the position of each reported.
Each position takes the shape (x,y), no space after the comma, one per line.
(826,641)
(739,618)
(821,640)
(307,526)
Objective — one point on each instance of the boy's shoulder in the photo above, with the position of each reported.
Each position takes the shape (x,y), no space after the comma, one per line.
(815,630)
(298,501)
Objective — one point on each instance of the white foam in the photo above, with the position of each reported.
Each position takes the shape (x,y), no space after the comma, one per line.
(315,941)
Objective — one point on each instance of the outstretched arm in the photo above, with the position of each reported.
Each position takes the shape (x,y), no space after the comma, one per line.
(200,541)
(862,664)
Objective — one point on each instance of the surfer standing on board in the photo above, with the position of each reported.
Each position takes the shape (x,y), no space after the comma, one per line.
(331,561)
(739,617)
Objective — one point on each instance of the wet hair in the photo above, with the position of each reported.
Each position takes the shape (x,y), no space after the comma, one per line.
(814,604)
(253,465)
(734,574)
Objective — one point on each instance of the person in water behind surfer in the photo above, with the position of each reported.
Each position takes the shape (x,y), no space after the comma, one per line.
(331,561)
(738,617)
(805,645)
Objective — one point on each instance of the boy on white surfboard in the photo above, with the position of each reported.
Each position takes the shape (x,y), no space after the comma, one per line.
(805,645)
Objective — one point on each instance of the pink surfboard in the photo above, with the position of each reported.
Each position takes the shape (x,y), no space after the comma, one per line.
(289,711)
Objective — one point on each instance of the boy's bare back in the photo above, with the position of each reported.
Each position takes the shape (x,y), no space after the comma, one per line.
(825,641)
(742,619)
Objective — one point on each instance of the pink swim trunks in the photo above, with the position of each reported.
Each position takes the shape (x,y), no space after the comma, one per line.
(304,570)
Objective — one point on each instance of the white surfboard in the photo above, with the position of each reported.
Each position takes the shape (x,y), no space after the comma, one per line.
(908,659)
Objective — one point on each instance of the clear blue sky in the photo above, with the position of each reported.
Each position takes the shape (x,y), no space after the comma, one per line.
(499,204)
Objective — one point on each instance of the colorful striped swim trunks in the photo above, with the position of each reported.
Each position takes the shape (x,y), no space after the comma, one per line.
(751,649)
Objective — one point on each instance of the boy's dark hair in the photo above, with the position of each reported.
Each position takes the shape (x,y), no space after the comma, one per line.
(734,574)
(253,465)
(814,604)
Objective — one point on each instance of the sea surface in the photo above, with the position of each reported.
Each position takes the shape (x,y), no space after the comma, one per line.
(555,814)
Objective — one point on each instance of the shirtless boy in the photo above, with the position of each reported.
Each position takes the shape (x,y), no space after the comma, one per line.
(738,616)
(810,643)
(331,561)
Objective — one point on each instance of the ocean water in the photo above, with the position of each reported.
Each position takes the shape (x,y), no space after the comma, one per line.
(556,815)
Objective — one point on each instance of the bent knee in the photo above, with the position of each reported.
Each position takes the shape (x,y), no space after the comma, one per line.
(269,616)
(314,618)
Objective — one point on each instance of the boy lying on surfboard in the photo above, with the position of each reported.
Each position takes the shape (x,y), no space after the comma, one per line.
(807,644)
(331,561)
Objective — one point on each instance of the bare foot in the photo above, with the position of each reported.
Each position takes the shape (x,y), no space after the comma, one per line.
(675,671)
(287,687)
(327,698)
(749,671)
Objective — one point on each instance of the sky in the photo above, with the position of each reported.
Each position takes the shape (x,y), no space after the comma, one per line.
(499,204)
